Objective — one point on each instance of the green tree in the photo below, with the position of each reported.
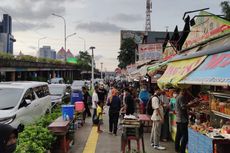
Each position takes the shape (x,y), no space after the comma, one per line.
(84,60)
(225,5)
(127,53)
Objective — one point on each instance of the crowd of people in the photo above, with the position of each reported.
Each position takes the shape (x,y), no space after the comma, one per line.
(125,99)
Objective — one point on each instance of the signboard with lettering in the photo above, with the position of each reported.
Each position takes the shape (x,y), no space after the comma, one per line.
(207,27)
(178,70)
(136,35)
(214,71)
(150,51)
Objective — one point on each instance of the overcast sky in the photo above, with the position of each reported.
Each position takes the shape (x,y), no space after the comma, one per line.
(97,21)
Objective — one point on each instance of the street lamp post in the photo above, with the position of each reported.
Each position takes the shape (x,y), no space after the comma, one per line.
(101,70)
(70,35)
(92,60)
(39,43)
(84,42)
(64,30)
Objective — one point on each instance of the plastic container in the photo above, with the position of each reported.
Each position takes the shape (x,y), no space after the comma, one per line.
(76,95)
(79,106)
(67,112)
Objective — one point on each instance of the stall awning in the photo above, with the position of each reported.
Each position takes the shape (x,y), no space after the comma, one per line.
(156,67)
(215,70)
(178,70)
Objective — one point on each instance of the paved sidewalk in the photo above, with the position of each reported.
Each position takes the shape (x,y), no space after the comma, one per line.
(108,143)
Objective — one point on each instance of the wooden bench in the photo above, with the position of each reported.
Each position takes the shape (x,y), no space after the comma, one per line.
(60,128)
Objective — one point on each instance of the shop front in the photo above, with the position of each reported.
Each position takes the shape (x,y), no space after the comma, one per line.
(209,129)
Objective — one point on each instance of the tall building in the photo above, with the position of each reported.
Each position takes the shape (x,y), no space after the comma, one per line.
(47,52)
(6,37)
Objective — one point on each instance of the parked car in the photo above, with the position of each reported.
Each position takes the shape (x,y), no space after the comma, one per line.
(23,103)
(57,81)
(59,93)
(78,84)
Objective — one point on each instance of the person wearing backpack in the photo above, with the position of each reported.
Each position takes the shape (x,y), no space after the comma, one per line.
(144,97)
(157,118)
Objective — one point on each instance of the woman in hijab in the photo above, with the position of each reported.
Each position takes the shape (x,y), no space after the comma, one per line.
(8,138)
(115,105)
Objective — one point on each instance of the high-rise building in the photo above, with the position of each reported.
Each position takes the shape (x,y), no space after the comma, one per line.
(47,52)
(6,37)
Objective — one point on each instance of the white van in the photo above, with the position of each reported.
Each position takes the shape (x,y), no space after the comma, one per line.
(23,103)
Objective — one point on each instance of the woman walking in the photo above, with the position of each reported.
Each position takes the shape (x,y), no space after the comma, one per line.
(115,105)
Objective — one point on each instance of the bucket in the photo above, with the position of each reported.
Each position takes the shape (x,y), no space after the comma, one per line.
(67,112)
(79,106)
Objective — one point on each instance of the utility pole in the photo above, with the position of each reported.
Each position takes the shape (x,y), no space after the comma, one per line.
(92,64)
(101,70)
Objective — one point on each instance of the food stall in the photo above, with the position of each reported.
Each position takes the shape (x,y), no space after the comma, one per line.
(209,129)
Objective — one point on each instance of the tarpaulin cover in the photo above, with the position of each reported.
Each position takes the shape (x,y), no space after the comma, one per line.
(178,70)
(215,70)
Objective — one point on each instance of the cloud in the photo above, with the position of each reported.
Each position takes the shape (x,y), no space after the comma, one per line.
(127,17)
(26,26)
(99,27)
(32,47)
(34,9)
(98,57)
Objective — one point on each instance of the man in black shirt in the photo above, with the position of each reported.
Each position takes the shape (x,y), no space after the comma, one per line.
(102,93)
(182,121)
(129,102)
(85,100)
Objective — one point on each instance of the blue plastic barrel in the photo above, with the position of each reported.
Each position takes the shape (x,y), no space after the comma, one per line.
(67,112)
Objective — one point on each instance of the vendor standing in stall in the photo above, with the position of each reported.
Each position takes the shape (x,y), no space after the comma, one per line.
(165,134)
(182,121)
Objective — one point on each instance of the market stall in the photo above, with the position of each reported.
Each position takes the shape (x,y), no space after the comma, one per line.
(210,123)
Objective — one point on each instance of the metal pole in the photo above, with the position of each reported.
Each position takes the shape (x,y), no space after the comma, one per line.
(101,70)
(92,66)
(64,30)
(84,42)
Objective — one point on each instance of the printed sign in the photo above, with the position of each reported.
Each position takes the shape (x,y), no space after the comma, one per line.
(214,71)
(150,51)
(178,70)
(206,28)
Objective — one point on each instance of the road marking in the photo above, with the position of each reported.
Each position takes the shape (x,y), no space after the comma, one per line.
(91,143)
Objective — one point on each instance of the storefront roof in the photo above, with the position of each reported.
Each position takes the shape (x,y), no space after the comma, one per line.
(178,70)
(155,67)
(209,49)
(215,70)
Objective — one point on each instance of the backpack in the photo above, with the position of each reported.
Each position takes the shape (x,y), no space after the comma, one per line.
(149,108)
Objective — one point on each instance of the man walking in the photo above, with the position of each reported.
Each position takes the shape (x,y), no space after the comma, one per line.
(94,102)
(158,119)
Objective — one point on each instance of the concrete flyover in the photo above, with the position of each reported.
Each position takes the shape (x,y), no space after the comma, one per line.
(13,70)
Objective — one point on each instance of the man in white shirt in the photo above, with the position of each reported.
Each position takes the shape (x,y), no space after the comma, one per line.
(94,102)
(158,119)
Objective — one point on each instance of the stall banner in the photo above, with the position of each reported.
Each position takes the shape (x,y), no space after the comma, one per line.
(178,70)
(214,71)
(169,51)
(207,26)
(150,51)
